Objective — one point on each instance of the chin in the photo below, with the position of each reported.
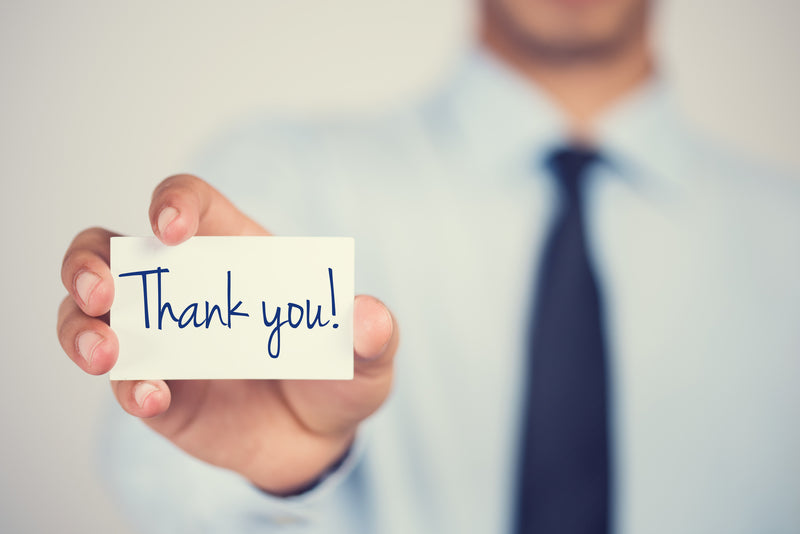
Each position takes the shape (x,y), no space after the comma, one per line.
(567,28)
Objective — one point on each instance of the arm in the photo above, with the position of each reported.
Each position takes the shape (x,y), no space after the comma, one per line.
(280,435)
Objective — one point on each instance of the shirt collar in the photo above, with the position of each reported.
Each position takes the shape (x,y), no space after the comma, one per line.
(498,115)
(645,138)
(507,118)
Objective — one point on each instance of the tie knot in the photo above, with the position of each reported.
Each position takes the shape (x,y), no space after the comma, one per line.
(569,165)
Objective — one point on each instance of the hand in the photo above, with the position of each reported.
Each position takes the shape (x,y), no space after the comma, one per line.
(279,434)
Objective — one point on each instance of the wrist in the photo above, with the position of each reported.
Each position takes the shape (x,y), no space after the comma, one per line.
(306,466)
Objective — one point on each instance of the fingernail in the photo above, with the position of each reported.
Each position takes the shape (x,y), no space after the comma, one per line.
(372,325)
(87,342)
(387,321)
(85,283)
(141,391)
(166,216)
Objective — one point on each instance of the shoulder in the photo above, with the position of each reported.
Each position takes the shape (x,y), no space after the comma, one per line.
(749,212)
(274,148)
(271,151)
(289,172)
(269,148)
(744,184)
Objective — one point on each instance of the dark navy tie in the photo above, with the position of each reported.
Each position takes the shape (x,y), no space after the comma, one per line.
(565,475)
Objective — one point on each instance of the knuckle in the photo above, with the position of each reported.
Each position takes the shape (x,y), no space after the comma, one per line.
(74,260)
(72,263)
(87,243)
(95,232)
(90,235)
(66,261)
(63,307)
(66,331)
(177,182)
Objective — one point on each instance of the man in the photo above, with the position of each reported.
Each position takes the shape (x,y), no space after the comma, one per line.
(690,257)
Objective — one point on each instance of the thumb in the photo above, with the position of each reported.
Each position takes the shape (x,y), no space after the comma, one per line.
(375,336)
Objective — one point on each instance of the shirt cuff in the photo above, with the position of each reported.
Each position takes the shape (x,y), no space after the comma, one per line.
(161,489)
(305,507)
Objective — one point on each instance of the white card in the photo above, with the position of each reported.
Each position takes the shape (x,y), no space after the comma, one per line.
(233,307)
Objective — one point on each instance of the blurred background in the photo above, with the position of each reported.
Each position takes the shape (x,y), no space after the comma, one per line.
(99,101)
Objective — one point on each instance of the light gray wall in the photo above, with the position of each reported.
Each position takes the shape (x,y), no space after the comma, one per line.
(101,100)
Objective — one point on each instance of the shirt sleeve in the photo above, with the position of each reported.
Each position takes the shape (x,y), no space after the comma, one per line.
(161,489)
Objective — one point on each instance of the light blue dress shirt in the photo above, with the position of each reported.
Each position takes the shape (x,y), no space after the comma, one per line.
(698,253)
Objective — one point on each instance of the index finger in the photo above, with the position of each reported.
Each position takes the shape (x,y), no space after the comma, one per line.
(184,205)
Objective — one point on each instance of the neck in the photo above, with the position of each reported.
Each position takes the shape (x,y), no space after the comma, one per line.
(582,88)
